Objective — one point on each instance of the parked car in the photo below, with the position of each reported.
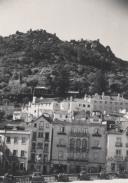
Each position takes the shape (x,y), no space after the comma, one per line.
(36,176)
(84,175)
(104,175)
(61,177)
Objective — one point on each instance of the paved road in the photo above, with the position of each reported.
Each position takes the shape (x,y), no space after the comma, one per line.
(104,181)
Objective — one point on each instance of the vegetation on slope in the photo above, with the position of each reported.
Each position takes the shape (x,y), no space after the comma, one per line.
(37,58)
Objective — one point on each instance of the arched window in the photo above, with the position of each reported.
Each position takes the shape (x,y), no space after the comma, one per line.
(72,144)
(84,145)
(78,145)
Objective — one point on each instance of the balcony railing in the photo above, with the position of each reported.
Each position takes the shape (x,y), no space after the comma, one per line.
(96,135)
(96,147)
(61,133)
(61,145)
(119,144)
(78,134)
(77,159)
(118,158)
(75,150)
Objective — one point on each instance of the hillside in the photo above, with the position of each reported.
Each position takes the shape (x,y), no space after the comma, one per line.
(38,58)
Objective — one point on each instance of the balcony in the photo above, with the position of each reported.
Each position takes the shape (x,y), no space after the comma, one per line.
(78,134)
(78,150)
(96,147)
(126,158)
(61,133)
(118,158)
(61,145)
(118,144)
(77,159)
(96,135)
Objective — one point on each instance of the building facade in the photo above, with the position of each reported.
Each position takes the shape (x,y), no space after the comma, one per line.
(117,150)
(107,104)
(41,144)
(15,149)
(77,146)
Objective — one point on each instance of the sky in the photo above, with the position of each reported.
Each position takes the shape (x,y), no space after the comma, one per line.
(106,20)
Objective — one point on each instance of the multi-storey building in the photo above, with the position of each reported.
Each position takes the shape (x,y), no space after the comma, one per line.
(78,145)
(107,104)
(15,148)
(41,144)
(117,150)
(75,105)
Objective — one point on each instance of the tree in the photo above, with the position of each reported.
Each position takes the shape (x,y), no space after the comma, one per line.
(100,83)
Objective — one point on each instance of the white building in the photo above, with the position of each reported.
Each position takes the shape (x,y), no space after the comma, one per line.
(75,105)
(117,150)
(107,104)
(37,107)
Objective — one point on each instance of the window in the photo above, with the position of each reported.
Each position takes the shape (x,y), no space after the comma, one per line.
(118,152)
(118,139)
(33,157)
(40,145)
(60,155)
(47,125)
(126,152)
(62,129)
(72,144)
(34,136)
(85,130)
(41,127)
(7,152)
(33,146)
(46,136)
(22,166)
(83,105)
(35,125)
(84,145)
(22,153)
(88,106)
(118,142)
(23,140)
(95,155)
(15,152)
(15,140)
(0,139)
(46,148)
(96,143)
(96,130)
(78,145)
(45,157)
(112,166)
(8,140)
(40,135)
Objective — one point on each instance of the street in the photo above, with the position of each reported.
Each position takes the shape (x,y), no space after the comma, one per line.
(104,181)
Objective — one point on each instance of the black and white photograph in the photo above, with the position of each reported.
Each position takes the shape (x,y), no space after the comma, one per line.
(64,91)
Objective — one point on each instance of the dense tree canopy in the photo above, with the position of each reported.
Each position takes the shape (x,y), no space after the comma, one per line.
(42,59)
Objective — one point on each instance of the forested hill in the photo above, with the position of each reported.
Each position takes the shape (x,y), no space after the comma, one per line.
(38,58)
